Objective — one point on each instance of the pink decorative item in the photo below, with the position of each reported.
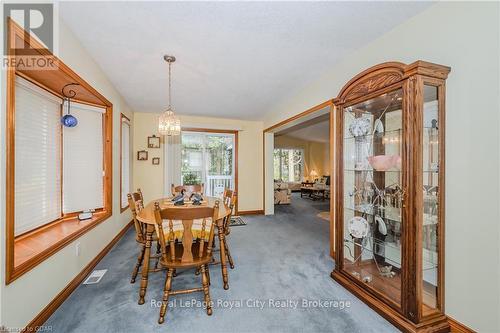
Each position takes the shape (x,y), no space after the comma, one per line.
(398,162)
(385,162)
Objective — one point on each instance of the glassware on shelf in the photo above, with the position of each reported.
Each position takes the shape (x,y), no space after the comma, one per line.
(372,183)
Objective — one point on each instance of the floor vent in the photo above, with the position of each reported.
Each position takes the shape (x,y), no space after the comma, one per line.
(95,276)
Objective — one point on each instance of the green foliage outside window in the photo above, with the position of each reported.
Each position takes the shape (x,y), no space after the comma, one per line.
(191,178)
(288,164)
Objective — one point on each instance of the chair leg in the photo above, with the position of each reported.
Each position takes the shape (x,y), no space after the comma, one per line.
(228,254)
(166,292)
(158,251)
(145,266)
(225,277)
(205,284)
(139,263)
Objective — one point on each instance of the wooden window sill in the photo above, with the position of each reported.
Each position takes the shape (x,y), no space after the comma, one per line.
(32,248)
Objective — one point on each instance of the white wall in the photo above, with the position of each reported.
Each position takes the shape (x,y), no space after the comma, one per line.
(464,36)
(269,173)
(25,297)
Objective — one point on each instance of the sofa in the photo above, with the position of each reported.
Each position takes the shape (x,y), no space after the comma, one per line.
(294,186)
(282,194)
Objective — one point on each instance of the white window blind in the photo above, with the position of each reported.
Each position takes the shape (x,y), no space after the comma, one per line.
(125,167)
(83,160)
(37,157)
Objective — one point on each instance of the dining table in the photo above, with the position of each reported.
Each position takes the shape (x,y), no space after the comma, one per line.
(146,216)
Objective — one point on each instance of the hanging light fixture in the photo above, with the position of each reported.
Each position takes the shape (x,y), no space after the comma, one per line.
(68,119)
(169,124)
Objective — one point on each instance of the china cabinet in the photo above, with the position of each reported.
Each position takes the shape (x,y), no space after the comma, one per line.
(389,218)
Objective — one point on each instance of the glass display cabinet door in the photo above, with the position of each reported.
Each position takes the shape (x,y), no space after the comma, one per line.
(373,193)
(431,189)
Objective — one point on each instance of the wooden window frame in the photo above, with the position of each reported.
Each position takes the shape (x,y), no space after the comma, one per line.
(236,144)
(122,117)
(39,244)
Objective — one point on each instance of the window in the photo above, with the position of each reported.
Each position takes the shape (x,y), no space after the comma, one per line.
(208,158)
(83,160)
(38,157)
(58,170)
(192,152)
(289,164)
(125,161)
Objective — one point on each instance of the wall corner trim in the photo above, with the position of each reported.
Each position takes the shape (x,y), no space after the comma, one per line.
(42,317)
(457,327)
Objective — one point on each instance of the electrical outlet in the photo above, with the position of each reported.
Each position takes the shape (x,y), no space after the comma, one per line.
(77,249)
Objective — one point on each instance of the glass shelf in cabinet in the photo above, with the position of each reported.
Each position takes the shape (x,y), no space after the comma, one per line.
(388,171)
(426,130)
(371,170)
(375,135)
(366,247)
(361,210)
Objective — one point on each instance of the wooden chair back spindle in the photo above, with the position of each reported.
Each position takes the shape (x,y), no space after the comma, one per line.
(230,198)
(198,189)
(226,197)
(136,204)
(139,192)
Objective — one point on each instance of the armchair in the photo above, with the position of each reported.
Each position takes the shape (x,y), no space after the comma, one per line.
(282,194)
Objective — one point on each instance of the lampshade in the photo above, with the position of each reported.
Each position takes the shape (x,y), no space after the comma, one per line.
(313,173)
(169,124)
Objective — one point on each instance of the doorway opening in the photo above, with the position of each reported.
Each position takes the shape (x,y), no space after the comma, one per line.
(298,171)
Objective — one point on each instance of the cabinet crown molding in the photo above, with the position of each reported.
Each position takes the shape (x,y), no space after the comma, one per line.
(384,75)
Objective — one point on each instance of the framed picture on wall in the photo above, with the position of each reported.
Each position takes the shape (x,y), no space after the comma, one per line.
(156,161)
(153,141)
(142,155)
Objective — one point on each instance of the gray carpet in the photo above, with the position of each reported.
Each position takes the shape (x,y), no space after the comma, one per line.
(283,257)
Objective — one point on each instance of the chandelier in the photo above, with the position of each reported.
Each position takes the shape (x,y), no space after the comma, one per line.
(169,124)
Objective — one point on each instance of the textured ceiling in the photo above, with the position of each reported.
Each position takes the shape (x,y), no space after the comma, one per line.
(235,59)
(319,132)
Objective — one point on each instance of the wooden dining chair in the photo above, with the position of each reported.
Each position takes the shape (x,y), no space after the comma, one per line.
(136,203)
(194,251)
(198,188)
(230,198)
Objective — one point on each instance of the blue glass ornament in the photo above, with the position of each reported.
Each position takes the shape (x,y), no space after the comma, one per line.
(69,120)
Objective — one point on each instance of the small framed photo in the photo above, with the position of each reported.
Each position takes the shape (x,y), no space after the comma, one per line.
(153,141)
(142,155)
(156,161)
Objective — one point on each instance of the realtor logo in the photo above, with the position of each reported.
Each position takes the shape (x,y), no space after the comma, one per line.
(37,20)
